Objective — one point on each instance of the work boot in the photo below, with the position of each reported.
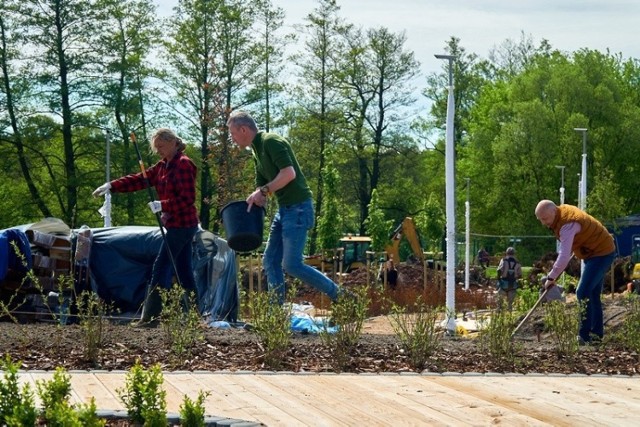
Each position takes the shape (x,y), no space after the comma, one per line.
(150,310)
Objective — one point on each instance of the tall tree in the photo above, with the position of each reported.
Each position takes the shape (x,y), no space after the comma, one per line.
(212,67)
(315,89)
(269,52)
(375,75)
(60,35)
(13,93)
(127,39)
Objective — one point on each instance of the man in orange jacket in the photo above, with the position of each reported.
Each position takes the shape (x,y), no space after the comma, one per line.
(590,241)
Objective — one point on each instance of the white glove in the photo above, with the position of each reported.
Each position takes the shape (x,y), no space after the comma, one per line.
(155,206)
(102,190)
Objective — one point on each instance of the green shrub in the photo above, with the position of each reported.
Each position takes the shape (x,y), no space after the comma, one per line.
(563,321)
(143,395)
(417,331)
(192,411)
(180,321)
(271,322)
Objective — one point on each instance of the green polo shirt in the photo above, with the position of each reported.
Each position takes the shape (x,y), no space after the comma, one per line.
(271,153)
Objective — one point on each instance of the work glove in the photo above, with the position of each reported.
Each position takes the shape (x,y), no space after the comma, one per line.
(155,206)
(102,190)
(548,283)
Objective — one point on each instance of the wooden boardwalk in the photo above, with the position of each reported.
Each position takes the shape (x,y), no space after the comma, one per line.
(288,399)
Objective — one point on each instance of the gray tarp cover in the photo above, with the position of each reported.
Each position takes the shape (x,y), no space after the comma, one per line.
(122,257)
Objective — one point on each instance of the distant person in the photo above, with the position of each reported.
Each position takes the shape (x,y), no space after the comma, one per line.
(388,270)
(509,273)
(174,178)
(483,258)
(278,174)
(589,240)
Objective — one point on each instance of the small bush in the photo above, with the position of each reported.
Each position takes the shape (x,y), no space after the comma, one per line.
(271,323)
(180,320)
(17,406)
(143,395)
(91,314)
(629,333)
(347,314)
(495,334)
(192,411)
(417,331)
(563,321)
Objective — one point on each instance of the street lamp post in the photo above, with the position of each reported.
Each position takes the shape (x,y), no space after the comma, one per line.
(561,184)
(467,219)
(582,200)
(450,191)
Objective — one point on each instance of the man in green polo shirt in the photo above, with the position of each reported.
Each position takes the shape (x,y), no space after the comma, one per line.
(278,173)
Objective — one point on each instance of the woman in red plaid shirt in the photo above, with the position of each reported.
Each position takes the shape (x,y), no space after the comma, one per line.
(174,178)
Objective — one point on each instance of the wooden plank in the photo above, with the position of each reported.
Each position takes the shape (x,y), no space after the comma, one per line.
(419,393)
(230,398)
(561,401)
(388,405)
(87,385)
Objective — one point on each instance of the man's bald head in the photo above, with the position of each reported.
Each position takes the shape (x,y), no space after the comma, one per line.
(546,212)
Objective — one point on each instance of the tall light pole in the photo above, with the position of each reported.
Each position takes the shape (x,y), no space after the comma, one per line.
(467,232)
(450,191)
(561,184)
(582,200)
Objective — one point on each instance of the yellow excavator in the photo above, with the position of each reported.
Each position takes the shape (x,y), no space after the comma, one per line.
(355,248)
(406,229)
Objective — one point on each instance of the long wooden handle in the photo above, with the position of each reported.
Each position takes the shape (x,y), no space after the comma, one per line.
(522,322)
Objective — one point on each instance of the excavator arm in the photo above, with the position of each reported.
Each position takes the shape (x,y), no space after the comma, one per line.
(406,229)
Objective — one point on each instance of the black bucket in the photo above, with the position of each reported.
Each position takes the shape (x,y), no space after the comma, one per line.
(243,229)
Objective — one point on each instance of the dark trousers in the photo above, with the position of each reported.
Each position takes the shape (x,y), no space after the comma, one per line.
(179,241)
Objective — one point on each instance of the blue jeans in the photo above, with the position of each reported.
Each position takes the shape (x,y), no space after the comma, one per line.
(589,290)
(285,248)
(179,241)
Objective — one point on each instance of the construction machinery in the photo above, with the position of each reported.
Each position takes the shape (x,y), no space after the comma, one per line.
(351,254)
(406,229)
(352,250)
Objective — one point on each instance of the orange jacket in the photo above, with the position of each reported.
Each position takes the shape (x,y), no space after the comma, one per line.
(592,240)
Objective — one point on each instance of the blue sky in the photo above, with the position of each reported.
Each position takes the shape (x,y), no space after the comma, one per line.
(483,24)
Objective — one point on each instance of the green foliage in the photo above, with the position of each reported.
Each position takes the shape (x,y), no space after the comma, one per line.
(377,227)
(17,406)
(180,320)
(143,395)
(56,391)
(629,333)
(192,412)
(495,334)
(271,322)
(91,314)
(431,223)
(347,314)
(563,321)
(416,328)
(330,228)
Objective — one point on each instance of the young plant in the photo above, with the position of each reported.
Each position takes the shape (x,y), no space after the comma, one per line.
(562,321)
(143,395)
(192,411)
(271,322)
(91,314)
(347,314)
(629,334)
(180,321)
(417,331)
(495,334)
(17,406)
